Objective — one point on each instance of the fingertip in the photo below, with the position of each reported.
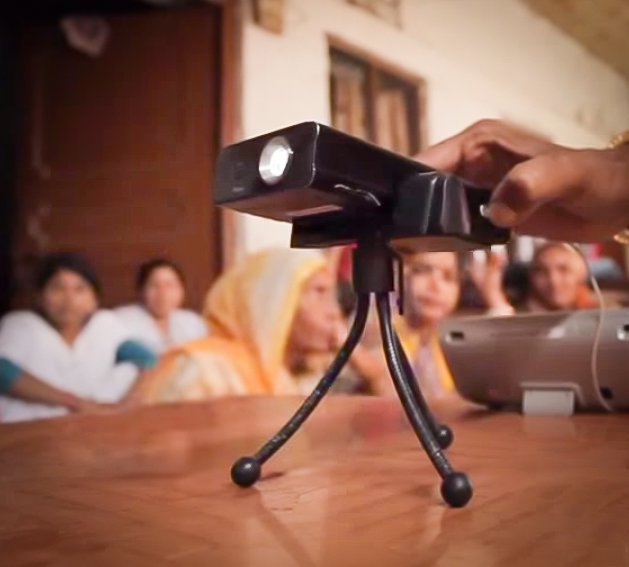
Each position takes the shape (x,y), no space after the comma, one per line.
(502,215)
(515,196)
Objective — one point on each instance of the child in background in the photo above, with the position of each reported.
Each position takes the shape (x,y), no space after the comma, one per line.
(432,290)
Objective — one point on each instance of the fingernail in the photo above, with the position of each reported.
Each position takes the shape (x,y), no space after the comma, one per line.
(502,215)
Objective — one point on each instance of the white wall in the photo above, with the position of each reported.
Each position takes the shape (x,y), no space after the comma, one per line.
(480,58)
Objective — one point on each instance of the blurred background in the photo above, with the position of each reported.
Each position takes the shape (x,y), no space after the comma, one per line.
(112,111)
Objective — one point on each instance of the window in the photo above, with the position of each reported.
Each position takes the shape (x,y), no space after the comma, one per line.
(373,102)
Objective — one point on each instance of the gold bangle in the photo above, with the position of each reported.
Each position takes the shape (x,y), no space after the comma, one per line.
(618,140)
(622,237)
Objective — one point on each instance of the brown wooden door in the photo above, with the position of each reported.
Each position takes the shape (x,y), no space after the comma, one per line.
(116,152)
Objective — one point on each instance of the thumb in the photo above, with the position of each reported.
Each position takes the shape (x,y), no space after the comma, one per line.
(534,183)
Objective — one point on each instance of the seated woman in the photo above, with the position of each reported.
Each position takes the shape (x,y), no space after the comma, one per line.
(557,281)
(267,318)
(432,289)
(62,356)
(158,320)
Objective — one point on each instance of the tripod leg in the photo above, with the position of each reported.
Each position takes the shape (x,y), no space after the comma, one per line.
(455,487)
(442,432)
(246,470)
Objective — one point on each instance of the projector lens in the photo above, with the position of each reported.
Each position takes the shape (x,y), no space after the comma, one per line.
(274,160)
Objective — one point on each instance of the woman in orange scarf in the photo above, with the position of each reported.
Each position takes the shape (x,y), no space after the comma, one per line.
(267,317)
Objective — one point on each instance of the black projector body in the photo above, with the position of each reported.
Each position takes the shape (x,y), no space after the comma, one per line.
(337,189)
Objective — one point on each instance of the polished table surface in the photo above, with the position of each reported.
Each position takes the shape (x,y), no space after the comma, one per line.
(151,487)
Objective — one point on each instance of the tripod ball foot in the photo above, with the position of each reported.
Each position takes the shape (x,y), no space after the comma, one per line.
(456,489)
(246,471)
(444,436)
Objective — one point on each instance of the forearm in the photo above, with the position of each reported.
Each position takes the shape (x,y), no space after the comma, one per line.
(144,360)
(500,310)
(497,302)
(31,389)
(138,389)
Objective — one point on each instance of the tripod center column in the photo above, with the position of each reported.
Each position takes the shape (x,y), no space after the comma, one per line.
(373,266)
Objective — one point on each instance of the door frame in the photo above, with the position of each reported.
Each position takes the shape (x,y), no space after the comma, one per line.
(230,113)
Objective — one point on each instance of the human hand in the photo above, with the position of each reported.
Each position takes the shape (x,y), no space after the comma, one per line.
(91,407)
(487,277)
(485,152)
(540,188)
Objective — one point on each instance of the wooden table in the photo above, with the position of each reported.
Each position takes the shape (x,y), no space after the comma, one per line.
(151,487)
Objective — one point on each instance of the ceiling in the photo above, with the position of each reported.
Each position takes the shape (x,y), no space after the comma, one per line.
(601,26)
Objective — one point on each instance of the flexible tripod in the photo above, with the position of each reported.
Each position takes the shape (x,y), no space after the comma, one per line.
(373,273)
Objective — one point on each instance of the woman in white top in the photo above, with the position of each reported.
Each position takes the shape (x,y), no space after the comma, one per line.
(67,355)
(158,321)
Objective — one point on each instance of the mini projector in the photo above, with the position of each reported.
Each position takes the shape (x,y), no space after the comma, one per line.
(336,189)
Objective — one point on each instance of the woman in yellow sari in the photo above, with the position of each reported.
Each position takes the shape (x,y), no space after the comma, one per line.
(267,317)
(432,294)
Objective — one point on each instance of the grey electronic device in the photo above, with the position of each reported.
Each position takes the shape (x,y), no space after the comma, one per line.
(542,359)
